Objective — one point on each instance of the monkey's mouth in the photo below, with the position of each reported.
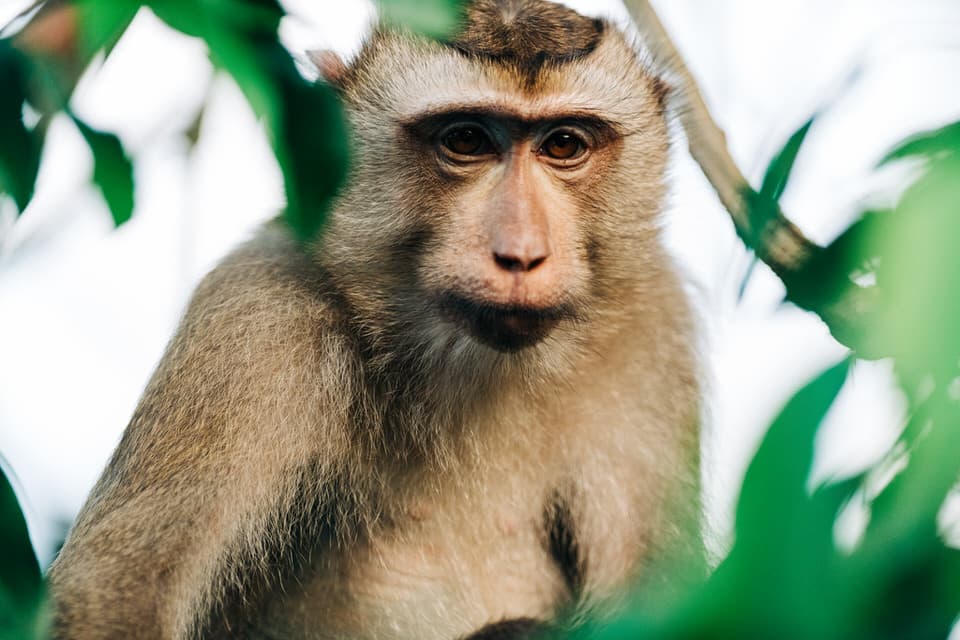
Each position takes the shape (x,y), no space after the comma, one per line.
(507,328)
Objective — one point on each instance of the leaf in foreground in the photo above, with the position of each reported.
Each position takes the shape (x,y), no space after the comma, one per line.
(19,146)
(112,171)
(21,584)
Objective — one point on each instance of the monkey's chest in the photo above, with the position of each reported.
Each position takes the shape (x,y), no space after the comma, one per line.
(438,569)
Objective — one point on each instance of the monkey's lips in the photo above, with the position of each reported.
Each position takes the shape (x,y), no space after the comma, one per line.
(502,327)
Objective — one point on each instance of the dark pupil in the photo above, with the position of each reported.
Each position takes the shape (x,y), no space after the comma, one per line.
(465,141)
(562,146)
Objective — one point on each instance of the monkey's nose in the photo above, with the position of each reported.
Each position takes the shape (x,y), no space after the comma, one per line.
(520,261)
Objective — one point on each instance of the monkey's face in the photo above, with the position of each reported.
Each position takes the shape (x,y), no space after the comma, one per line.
(506,262)
(496,201)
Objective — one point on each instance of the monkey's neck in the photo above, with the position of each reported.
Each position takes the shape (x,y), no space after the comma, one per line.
(431,406)
(423,388)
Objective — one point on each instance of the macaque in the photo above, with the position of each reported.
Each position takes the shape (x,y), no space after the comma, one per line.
(469,408)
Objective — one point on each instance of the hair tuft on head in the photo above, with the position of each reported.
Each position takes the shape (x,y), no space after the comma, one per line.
(528,33)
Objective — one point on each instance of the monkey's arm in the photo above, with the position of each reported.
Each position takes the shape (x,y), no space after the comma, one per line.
(238,430)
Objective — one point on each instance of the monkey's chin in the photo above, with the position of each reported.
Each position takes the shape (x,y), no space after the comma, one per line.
(506,328)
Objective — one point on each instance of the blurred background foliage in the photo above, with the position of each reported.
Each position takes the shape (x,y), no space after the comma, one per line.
(867,556)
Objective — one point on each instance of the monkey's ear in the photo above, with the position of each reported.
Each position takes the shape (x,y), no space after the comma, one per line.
(331,66)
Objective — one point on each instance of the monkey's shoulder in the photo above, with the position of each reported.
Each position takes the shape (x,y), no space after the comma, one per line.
(260,276)
(267,292)
(259,332)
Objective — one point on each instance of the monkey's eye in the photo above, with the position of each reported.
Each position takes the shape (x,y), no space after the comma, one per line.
(563,145)
(467,141)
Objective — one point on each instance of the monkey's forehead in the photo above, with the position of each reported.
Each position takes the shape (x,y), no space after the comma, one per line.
(402,77)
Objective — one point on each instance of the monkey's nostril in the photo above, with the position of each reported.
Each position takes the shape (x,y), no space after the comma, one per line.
(536,262)
(507,263)
(514,264)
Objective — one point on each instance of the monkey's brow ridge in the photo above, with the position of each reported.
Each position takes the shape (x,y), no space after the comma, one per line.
(433,118)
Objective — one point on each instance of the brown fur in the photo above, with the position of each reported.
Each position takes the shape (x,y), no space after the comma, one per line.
(527,33)
(328,450)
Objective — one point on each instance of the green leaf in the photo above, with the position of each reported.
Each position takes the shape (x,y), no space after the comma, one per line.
(315,153)
(102,23)
(776,479)
(778,172)
(945,140)
(21,583)
(784,536)
(19,146)
(112,171)
(854,252)
(433,18)
(832,274)
(304,122)
(904,581)
(905,512)
(763,205)
(919,273)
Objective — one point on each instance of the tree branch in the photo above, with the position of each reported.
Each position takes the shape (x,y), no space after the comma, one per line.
(779,243)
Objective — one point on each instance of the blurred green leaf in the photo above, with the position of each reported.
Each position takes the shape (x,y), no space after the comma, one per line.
(945,140)
(777,477)
(21,584)
(784,536)
(854,252)
(242,38)
(112,171)
(102,23)
(316,153)
(763,205)
(918,266)
(19,146)
(834,273)
(905,512)
(778,172)
(304,121)
(433,18)
(902,581)
(828,279)
(919,273)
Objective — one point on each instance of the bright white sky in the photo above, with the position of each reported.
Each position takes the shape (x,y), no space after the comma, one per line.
(85,311)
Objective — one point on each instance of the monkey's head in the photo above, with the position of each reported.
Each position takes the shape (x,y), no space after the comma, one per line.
(506,183)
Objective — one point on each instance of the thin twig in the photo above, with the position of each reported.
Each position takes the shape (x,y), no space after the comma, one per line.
(787,249)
